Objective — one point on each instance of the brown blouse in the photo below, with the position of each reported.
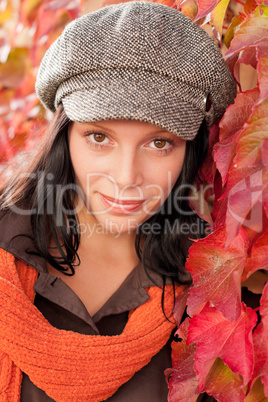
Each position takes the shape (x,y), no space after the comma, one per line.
(64,310)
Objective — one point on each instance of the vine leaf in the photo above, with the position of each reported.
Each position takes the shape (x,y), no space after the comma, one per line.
(217,15)
(205,7)
(208,168)
(251,33)
(183,384)
(256,393)
(258,258)
(247,179)
(262,69)
(214,336)
(219,379)
(265,153)
(245,200)
(250,41)
(260,339)
(238,113)
(216,272)
(236,21)
(189,8)
(250,139)
(230,125)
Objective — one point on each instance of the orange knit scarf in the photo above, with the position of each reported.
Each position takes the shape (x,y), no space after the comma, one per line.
(70,366)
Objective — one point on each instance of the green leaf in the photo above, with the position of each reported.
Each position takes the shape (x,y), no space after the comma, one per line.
(221,378)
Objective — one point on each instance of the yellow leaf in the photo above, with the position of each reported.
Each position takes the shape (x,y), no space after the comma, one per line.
(257,393)
(5,16)
(232,28)
(265,10)
(16,67)
(217,15)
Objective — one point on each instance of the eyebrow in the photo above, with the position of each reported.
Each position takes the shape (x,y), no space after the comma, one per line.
(161,130)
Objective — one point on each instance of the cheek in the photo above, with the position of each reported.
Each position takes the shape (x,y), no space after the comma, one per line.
(85,166)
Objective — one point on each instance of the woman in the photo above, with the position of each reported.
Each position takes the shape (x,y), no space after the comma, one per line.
(96,232)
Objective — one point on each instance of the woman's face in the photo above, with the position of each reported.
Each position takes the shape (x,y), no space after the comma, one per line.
(126,170)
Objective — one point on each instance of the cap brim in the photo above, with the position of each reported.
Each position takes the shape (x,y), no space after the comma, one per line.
(133,95)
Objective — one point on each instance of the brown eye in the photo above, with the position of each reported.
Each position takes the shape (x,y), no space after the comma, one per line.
(99,137)
(160,143)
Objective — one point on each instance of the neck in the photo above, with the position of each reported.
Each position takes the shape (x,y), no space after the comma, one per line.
(118,246)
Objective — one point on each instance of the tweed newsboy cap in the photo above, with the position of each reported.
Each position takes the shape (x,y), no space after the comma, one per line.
(139,61)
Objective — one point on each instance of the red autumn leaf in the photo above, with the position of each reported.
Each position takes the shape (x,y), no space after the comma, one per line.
(224,152)
(216,272)
(27,85)
(5,98)
(245,200)
(183,383)
(252,234)
(250,6)
(180,306)
(260,338)
(237,177)
(50,21)
(238,113)
(201,207)
(205,7)
(265,153)
(259,256)
(219,213)
(248,56)
(262,55)
(250,139)
(218,187)
(221,378)
(232,122)
(234,68)
(29,11)
(214,336)
(252,32)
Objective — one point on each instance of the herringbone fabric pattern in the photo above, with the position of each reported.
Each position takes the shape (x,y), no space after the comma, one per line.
(137,60)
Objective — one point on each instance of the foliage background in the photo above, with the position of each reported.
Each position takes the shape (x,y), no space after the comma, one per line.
(222,347)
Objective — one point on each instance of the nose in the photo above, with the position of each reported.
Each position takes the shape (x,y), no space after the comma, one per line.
(128,169)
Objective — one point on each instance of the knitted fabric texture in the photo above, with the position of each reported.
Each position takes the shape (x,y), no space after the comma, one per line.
(137,61)
(69,366)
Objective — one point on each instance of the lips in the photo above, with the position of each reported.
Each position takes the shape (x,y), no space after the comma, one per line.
(121,206)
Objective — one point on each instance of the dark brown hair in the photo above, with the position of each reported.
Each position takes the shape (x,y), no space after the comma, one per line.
(162,252)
